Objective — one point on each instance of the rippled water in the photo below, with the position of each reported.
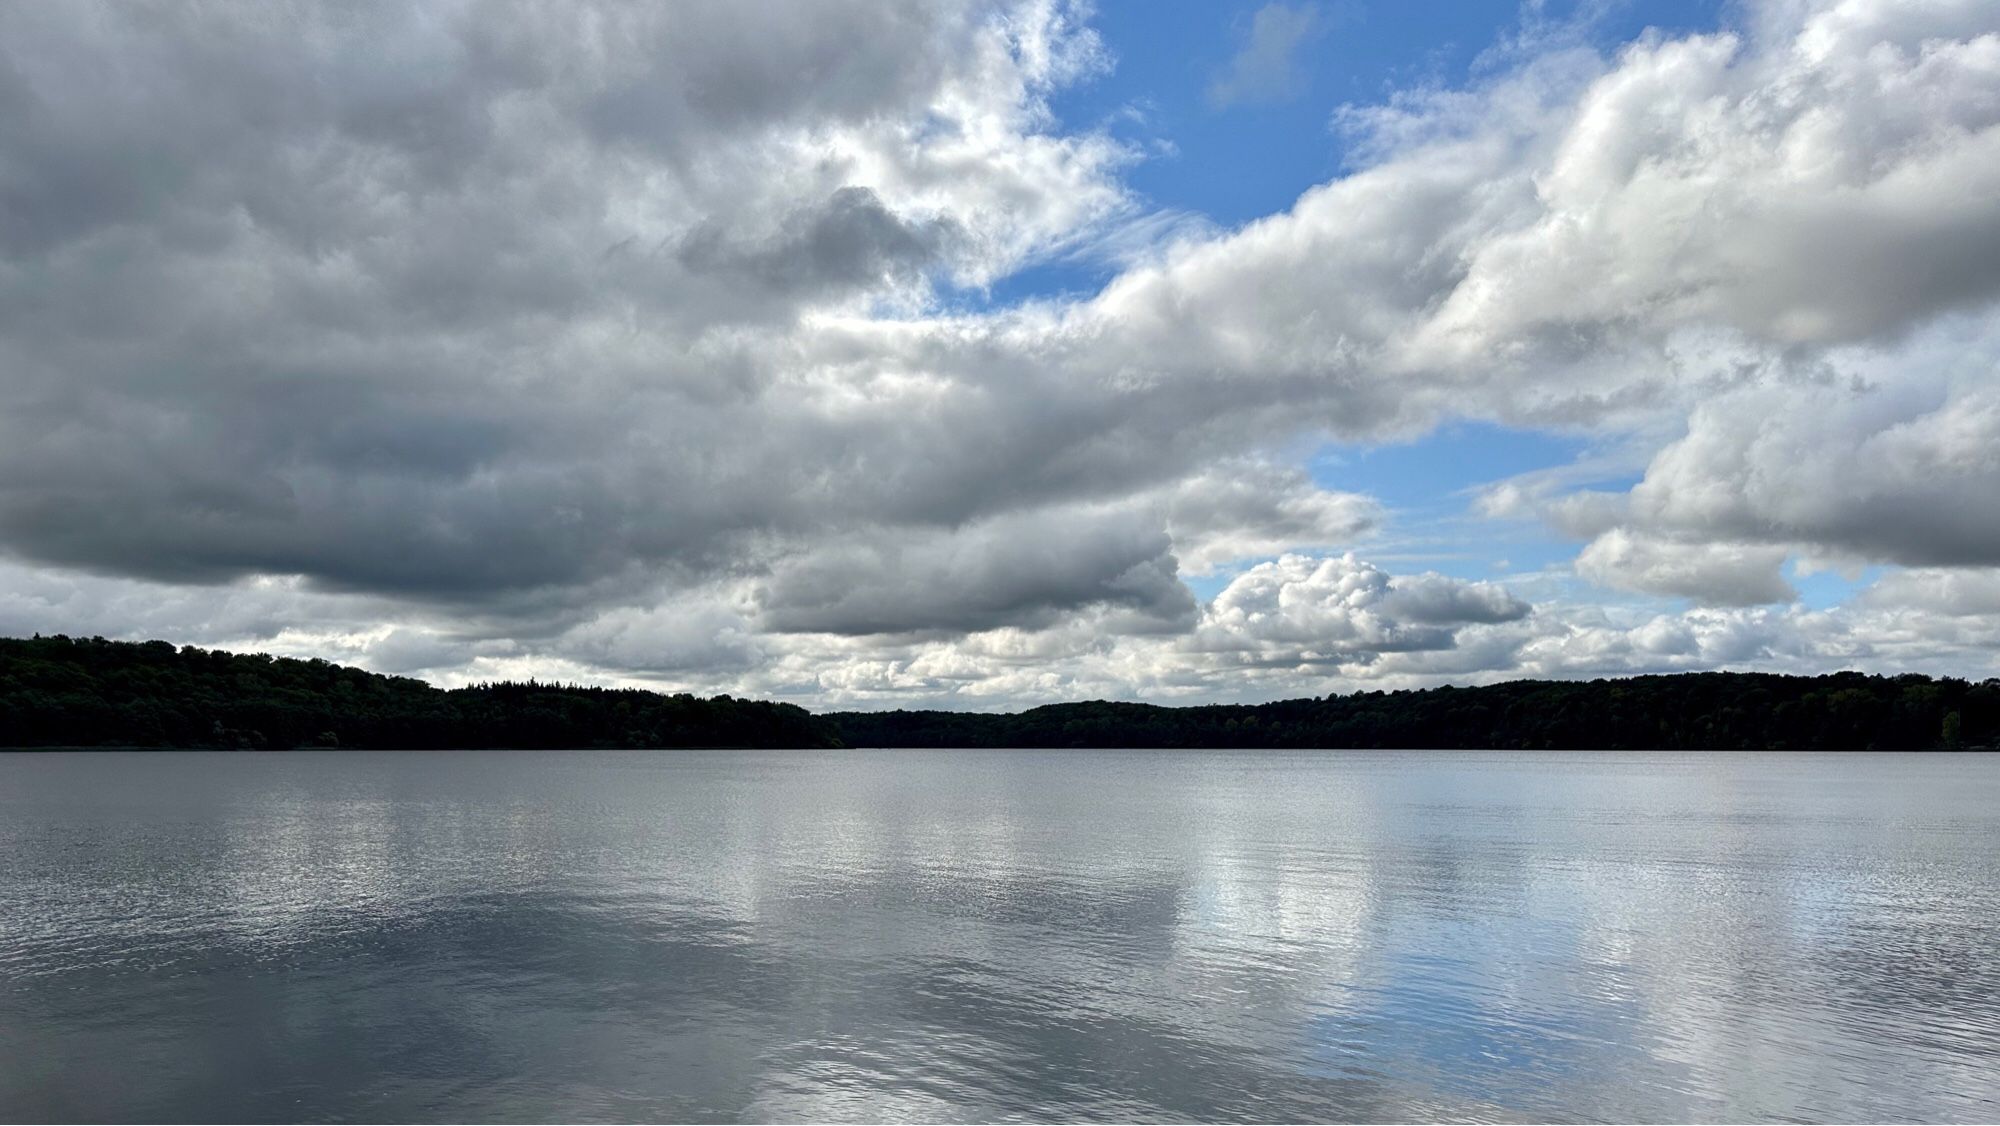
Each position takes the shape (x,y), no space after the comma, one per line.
(941,935)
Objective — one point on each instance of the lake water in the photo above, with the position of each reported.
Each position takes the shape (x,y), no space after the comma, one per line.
(945,935)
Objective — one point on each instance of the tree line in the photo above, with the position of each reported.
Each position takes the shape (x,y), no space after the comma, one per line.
(1679,711)
(90,692)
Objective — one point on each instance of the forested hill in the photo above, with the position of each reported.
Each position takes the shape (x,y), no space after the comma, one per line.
(1706,711)
(55,691)
(58,691)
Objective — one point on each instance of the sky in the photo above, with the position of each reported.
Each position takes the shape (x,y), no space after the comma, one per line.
(953,353)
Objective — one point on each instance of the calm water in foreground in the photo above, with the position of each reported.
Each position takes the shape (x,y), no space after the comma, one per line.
(939,935)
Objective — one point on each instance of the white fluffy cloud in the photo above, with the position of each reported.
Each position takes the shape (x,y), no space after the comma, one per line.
(1242,510)
(1299,609)
(1893,464)
(1717,573)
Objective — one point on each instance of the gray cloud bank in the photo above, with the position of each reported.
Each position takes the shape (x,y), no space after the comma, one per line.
(620,342)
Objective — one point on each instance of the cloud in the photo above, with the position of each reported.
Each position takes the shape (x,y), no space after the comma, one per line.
(1895,466)
(1892,474)
(1289,626)
(849,242)
(1301,610)
(1813,183)
(1710,573)
(702,632)
(1266,67)
(476,316)
(1947,593)
(1292,627)
(1024,569)
(1248,510)
(630,342)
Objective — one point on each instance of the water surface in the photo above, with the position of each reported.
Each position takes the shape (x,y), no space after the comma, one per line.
(948,935)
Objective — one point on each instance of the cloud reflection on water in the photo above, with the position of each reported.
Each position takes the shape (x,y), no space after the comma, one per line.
(965,935)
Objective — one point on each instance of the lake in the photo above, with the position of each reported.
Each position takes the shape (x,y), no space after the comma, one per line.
(948,935)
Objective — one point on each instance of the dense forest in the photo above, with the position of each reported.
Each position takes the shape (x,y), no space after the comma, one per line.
(83,692)
(58,691)
(1682,711)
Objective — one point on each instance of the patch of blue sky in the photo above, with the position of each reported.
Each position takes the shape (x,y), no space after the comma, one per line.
(1476,551)
(1074,277)
(1443,467)
(1428,487)
(1206,587)
(1822,590)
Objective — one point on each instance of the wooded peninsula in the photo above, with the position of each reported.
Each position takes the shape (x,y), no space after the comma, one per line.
(89,692)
